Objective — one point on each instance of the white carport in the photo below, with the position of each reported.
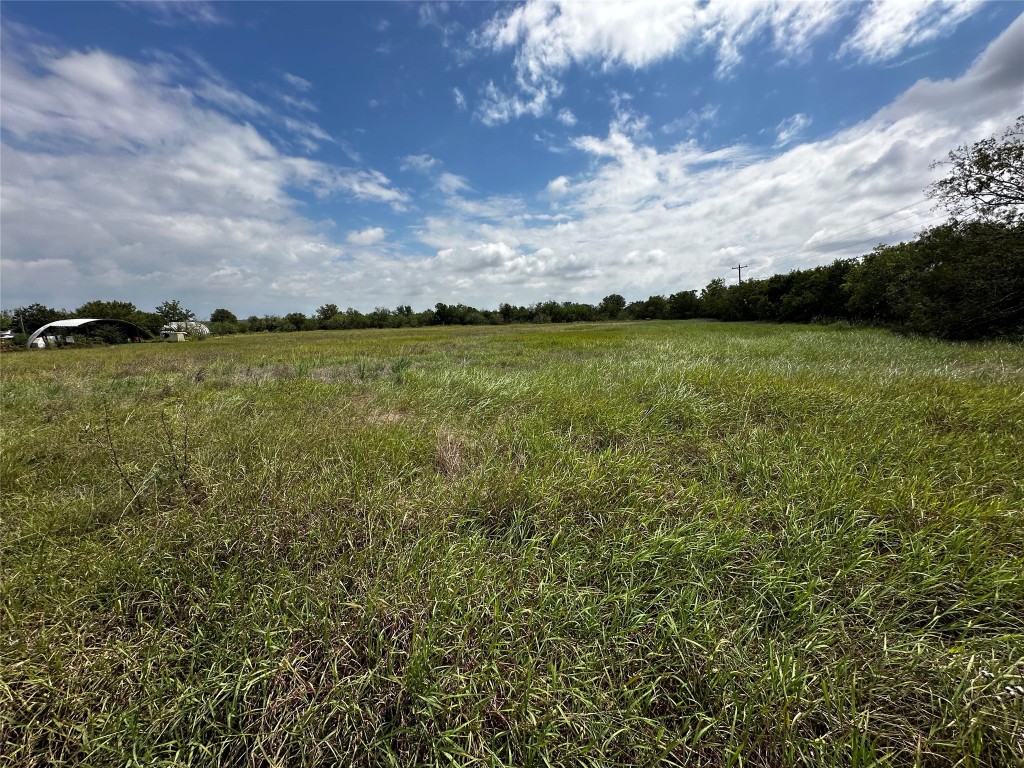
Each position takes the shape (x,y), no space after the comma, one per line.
(78,322)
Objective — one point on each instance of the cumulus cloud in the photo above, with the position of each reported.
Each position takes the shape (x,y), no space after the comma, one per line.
(368,236)
(566,117)
(550,37)
(145,190)
(152,183)
(645,220)
(558,187)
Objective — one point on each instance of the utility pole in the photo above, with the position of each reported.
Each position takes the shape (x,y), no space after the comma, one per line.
(739,272)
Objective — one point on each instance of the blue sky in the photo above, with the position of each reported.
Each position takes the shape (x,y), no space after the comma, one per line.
(272,157)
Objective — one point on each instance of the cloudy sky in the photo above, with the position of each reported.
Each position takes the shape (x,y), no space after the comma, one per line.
(274,157)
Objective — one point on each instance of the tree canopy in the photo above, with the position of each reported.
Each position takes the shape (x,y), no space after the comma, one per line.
(986,179)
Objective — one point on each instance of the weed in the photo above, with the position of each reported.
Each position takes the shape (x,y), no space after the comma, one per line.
(627,544)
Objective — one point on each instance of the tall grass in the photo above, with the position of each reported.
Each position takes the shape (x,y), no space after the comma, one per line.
(643,544)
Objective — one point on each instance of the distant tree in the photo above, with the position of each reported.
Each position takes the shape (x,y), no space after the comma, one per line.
(714,300)
(116,310)
(121,310)
(956,281)
(173,312)
(683,305)
(151,321)
(444,315)
(815,294)
(223,316)
(254,324)
(294,321)
(35,316)
(379,318)
(653,308)
(611,306)
(353,318)
(325,312)
(985,180)
(273,323)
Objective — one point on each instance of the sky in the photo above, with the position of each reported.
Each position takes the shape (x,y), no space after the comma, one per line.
(274,157)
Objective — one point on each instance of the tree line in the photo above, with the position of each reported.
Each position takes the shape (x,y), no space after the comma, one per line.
(954,281)
(961,280)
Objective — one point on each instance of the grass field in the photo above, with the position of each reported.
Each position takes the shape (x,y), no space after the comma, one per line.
(623,544)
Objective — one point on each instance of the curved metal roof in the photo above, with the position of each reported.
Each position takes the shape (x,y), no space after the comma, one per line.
(80,321)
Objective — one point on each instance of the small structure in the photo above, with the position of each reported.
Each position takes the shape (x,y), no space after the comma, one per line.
(40,337)
(191,327)
(173,335)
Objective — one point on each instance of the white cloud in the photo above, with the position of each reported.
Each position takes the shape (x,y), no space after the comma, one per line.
(460,98)
(306,133)
(148,186)
(299,104)
(550,37)
(558,187)
(791,128)
(142,190)
(645,221)
(296,82)
(888,27)
(175,13)
(368,236)
(497,107)
(419,163)
(452,184)
(218,92)
(692,120)
(430,14)
(566,117)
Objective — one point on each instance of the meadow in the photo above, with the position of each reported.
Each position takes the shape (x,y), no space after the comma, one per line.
(664,543)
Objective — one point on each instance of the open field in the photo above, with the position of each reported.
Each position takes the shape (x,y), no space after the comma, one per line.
(636,544)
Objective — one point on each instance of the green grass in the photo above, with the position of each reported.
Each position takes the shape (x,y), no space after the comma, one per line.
(638,544)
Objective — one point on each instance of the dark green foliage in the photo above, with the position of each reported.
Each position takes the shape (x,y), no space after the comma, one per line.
(611,306)
(683,305)
(956,282)
(714,301)
(173,312)
(297,321)
(120,310)
(108,310)
(325,314)
(223,316)
(654,308)
(35,316)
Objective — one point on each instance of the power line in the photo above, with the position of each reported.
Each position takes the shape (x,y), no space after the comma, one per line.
(739,272)
(873,239)
(835,237)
